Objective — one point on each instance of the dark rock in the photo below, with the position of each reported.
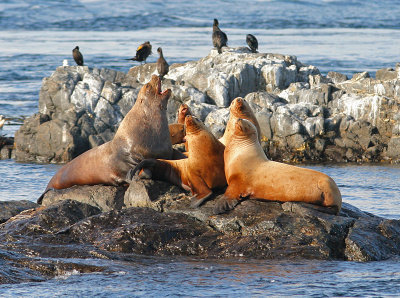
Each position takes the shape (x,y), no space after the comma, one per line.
(372,239)
(62,234)
(105,198)
(10,208)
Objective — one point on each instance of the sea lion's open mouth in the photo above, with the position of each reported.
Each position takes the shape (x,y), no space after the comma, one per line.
(159,92)
(159,86)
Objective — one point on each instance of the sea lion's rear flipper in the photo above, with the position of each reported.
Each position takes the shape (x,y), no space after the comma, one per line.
(197,200)
(225,204)
(144,168)
(40,199)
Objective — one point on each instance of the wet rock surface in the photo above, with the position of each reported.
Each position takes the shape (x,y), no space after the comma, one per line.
(7,148)
(9,209)
(71,229)
(303,115)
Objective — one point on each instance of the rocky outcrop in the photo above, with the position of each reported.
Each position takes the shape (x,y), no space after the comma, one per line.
(155,218)
(9,209)
(304,116)
(7,149)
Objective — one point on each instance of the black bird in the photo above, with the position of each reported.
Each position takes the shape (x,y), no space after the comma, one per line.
(77,56)
(162,65)
(219,38)
(142,52)
(252,42)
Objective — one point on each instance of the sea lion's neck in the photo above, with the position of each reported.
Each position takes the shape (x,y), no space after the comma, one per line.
(193,130)
(245,146)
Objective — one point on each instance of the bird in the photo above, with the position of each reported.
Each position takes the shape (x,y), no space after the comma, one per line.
(252,42)
(2,121)
(142,52)
(77,56)
(219,38)
(162,65)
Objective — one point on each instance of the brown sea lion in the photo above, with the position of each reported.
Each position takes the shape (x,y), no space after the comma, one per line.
(143,133)
(201,172)
(177,133)
(250,174)
(182,113)
(177,130)
(239,108)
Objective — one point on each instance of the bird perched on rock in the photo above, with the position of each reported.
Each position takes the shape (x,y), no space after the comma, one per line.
(219,38)
(2,121)
(77,56)
(142,52)
(252,42)
(162,65)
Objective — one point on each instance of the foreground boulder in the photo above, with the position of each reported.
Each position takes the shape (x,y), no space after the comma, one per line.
(84,226)
(303,115)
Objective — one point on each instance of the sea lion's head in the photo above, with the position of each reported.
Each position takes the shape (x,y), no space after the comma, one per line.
(177,133)
(193,125)
(183,112)
(151,93)
(239,107)
(245,129)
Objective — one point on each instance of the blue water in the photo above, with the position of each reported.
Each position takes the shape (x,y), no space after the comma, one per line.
(345,36)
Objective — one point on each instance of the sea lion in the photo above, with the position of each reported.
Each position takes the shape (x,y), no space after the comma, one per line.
(142,52)
(252,42)
(77,55)
(219,38)
(143,133)
(177,133)
(239,108)
(250,174)
(162,65)
(182,113)
(201,172)
(177,130)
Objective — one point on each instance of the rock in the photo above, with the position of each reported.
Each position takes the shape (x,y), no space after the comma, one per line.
(386,74)
(169,226)
(105,198)
(9,209)
(217,120)
(337,77)
(299,109)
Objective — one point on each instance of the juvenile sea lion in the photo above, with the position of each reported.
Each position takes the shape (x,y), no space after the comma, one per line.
(177,133)
(252,42)
(77,55)
(142,52)
(201,172)
(143,133)
(219,38)
(182,113)
(162,65)
(177,130)
(239,108)
(250,174)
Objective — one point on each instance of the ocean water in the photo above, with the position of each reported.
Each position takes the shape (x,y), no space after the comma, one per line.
(345,36)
